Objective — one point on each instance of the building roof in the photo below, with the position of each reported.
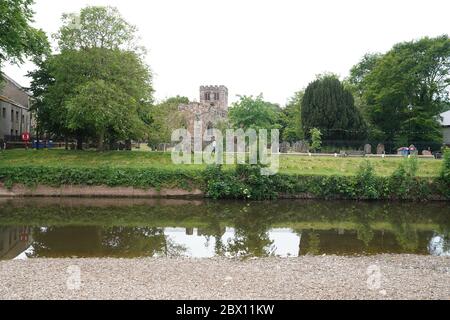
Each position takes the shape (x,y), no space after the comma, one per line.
(445,119)
(6,99)
(11,80)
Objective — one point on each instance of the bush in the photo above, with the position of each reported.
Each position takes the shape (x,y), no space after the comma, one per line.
(403,180)
(244,181)
(367,184)
(445,171)
(316,139)
(444,177)
(221,184)
(109,176)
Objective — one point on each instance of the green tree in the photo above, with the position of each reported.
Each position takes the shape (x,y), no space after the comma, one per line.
(60,81)
(291,119)
(316,139)
(96,27)
(18,39)
(359,72)
(405,89)
(99,108)
(165,118)
(445,171)
(329,107)
(255,113)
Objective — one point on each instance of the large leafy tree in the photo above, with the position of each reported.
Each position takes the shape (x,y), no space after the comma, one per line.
(64,78)
(328,106)
(65,82)
(404,90)
(18,39)
(290,119)
(165,118)
(250,112)
(100,108)
(96,27)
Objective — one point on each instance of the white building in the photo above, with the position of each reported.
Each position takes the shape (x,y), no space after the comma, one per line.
(445,122)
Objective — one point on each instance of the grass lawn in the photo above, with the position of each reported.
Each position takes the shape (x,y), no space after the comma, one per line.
(290,164)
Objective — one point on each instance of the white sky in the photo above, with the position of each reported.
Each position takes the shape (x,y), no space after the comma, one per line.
(271,46)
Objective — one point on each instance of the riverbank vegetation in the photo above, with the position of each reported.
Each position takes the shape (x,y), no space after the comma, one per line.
(155,170)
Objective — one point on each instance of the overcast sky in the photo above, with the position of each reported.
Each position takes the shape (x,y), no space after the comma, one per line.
(271,46)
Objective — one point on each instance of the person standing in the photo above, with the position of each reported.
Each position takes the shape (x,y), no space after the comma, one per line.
(214,146)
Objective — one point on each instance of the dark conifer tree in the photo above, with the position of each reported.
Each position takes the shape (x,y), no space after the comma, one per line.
(330,107)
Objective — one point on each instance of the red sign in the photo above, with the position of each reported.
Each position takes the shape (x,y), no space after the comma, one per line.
(25,136)
(24,237)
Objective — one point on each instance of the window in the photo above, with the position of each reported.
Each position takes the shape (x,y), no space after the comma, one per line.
(23,119)
(17,133)
(17,116)
(216,96)
(4,112)
(207,96)
(12,116)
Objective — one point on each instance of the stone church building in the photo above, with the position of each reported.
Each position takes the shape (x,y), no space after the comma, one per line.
(212,108)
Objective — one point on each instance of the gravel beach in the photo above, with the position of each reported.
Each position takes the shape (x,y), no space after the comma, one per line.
(306,277)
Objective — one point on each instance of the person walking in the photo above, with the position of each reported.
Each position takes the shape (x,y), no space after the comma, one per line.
(214,146)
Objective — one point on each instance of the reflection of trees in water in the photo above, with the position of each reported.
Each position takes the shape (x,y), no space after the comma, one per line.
(100,241)
(406,235)
(364,231)
(250,243)
(379,226)
(139,241)
(251,237)
(313,243)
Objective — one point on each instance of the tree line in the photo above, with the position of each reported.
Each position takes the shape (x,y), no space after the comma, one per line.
(95,86)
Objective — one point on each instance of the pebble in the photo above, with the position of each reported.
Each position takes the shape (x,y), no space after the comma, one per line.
(306,277)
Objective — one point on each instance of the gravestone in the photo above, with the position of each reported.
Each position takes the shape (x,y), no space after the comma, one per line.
(380,148)
(413,150)
(301,147)
(426,153)
(284,147)
(403,151)
(368,149)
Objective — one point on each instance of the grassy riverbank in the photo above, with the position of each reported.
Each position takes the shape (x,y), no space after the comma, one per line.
(342,178)
(289,164)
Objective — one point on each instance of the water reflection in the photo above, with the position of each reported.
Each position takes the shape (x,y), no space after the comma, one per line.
(13,241)
(32,228)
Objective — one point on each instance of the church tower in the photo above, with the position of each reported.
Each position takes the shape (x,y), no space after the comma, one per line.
(215,96)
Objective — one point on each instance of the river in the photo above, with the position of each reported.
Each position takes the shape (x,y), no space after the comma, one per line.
(130,228)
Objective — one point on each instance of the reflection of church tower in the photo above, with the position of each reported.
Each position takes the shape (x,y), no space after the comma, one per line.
(215,96)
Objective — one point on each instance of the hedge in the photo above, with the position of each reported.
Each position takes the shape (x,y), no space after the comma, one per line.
(244,182)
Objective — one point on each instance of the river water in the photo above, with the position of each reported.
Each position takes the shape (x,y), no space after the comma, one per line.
(129,228)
